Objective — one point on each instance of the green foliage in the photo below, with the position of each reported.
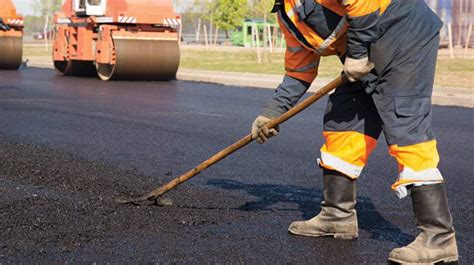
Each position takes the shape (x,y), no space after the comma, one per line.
(228,14)
(260,9)
(33,24)
(46,7)
(193,14)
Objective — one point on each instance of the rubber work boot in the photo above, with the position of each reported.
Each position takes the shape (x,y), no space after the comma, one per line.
(338,217)
(437,240)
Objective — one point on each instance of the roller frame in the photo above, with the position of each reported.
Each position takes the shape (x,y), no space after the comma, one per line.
(144,52)
(66,64)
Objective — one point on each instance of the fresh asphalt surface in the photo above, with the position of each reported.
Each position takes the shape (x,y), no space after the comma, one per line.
(131,136)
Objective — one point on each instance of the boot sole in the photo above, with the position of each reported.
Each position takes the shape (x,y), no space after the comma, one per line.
(335,235)
(453,259)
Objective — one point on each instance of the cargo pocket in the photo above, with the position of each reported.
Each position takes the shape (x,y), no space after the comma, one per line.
(409,106)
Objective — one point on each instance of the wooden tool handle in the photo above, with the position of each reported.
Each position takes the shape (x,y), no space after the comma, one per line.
(308,101)
(237,145)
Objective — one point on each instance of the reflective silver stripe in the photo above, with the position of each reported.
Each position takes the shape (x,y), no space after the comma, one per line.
(303,41)
(293,11)
(297,4)
(429,174)
(294,49)
(409,176)
(63,21)
(104,19)
(290,14)
(304,68)
(340,165)
(322,48)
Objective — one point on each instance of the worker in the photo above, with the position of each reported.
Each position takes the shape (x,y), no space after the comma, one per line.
(389,50)
(3,26)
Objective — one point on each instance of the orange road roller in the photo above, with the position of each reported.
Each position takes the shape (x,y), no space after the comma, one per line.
(11,36)
(117,39)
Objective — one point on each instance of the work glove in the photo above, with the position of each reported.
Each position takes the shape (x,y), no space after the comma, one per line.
(262,132)
(355,69)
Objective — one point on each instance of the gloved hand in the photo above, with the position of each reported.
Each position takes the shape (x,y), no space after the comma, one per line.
(260,131)
(355,69)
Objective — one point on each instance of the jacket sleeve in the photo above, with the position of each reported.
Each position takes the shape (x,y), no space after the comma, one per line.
(300,62)
(362,16)
(285,96)
(301,68)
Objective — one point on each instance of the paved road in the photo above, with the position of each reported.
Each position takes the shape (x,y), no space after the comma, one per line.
(68,146)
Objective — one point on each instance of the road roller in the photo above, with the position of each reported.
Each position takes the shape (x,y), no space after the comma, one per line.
(11,36)
(117,39)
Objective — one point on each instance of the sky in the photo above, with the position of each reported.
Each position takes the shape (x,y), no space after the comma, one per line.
(24,6)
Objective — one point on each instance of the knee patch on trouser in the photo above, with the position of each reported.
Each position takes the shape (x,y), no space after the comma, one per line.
(417,165)
(346,152)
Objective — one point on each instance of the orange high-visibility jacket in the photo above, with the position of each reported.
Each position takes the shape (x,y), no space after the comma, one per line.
(315,28)
(385,30)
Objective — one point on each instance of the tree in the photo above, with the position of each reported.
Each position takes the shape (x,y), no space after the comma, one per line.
(260,9)
(46,9)
(228,14)
(194,16)
(33,24)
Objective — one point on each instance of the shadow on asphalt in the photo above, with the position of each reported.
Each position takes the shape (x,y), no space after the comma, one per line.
(307,200)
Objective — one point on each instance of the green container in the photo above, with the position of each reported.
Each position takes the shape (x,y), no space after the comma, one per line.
(243,35)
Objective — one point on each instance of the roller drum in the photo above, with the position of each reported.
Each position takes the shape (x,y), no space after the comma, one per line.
(11,52)
(75,68)
(143,59)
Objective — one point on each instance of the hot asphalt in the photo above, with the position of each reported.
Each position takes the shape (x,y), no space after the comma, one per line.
(69,146)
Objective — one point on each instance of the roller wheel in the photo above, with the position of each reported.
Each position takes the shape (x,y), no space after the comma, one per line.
(75,68)
(11,52)
(143,60)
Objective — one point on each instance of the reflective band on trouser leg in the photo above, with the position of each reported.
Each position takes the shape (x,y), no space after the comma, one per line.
(346,152)
(417,165)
